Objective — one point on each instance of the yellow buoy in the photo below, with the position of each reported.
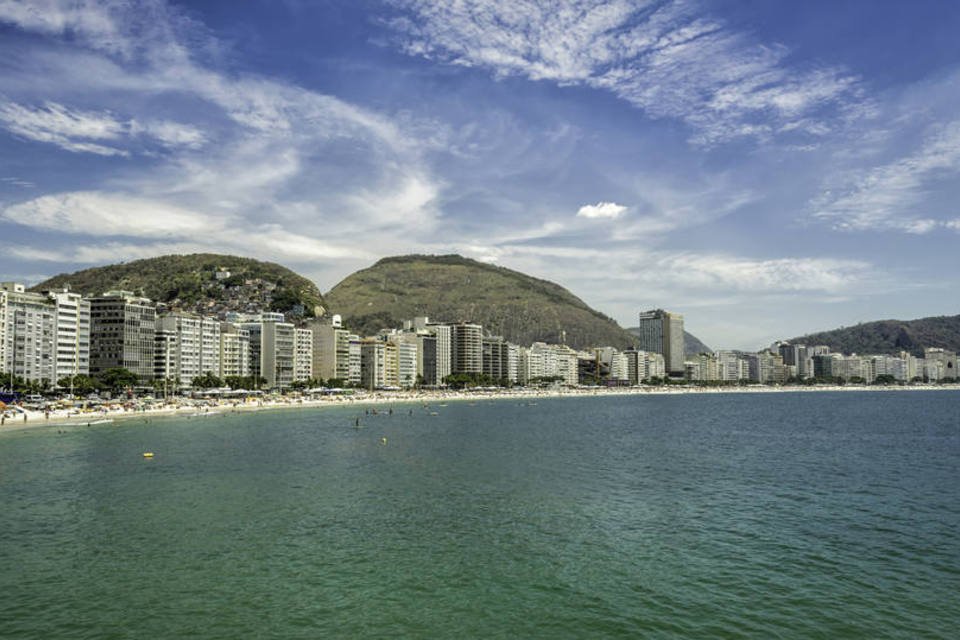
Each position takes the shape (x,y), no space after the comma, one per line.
(148,454)
(383,441)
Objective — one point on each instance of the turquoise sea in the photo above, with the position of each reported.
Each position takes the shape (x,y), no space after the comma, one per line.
(794,515)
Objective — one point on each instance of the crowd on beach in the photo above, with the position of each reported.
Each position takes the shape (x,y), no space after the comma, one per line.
(84,413)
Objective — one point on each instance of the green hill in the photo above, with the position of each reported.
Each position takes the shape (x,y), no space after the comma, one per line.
(692,344)
(202,282)
(451,289)
(891,336)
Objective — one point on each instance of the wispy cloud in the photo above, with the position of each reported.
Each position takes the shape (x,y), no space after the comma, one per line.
(72,130)
(86,131)
(275,155)
(667,58)
(18,182)
(890,196)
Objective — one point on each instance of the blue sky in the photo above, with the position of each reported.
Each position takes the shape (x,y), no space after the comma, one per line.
(766,168)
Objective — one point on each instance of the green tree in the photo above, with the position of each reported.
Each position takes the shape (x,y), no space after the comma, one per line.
(206,381)
(81,384)
(118,378)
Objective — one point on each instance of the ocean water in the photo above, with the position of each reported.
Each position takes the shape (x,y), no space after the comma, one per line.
(802,515)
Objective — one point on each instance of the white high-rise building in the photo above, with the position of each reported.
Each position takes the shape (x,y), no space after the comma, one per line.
(196,348)
(186,345)
(406,362)
(354,367)
(272,352)
(303,356)
(28,332)
(73,333)
(234,351)
(548,361)
(444,334)
(210,347)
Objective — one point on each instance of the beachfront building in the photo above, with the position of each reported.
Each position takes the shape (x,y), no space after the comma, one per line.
(272,346)
(373,363)
(444,335)
(72,346)
(27,334)
(513,363)
(407,358)
(542,361)
(331,349)
(495,358)
(616,363)
(467,351)
(210,361)
(731,366)
(234,351)
(662,332)
(703,367)
(166,356)
(644,365)
(180,336)
(354,367)
(122,330)
(303,355)
(943,362)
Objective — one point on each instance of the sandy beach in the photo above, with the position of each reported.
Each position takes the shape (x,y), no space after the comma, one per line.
(196,408)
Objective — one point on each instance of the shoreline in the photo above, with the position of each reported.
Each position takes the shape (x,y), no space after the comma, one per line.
(208,408)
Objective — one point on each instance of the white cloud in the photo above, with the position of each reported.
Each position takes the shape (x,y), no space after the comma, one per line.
(888,196)
(664,58)
(601,210)
(76,130)
(68,129)
(272,151)
(104,214)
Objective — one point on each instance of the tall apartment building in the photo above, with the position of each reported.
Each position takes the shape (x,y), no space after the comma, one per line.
(303,355)
(467,351)
(407,357)
(513,363)
(210,347)
(731,367)
(272,347)
(166,357)
(662,332)
(28,334)
(946,362)
(331,350)
(543,360)
(354,367)
(73,333)
(444,336)
(495,357)
(180,336)
(234,351)
(122,329)
(373,363)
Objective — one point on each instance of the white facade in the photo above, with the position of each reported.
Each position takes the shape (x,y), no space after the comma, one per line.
(303,356)
(186,348)
(234,351)
(28,334)
(73,333)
